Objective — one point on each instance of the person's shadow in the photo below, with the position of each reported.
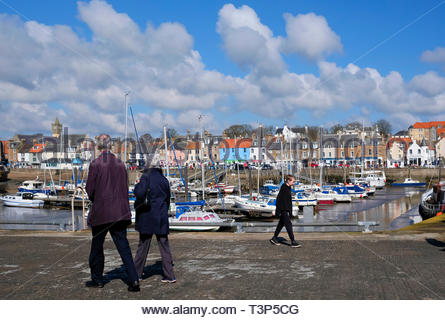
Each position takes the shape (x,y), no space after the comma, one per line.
(152,270)
(121,273)
(436,243)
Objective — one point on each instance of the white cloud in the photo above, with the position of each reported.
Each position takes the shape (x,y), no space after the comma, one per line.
(429,84)
(310,36)
(435,56)
(248,42)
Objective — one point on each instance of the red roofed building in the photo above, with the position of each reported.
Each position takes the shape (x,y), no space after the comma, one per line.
(427,131)
(232,150)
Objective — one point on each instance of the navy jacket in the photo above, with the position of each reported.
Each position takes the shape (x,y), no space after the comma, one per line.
(284,199)
(154,221)
(107,188)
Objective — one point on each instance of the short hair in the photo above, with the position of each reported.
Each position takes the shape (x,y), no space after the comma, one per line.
(289,177)
(104,142)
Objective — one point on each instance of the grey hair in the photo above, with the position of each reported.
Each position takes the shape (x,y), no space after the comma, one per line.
(104,142)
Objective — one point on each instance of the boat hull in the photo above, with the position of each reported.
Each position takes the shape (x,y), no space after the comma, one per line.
(193,228)
(35,204)
(420,184)
(325,201)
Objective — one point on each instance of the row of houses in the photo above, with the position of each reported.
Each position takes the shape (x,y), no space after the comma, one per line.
(422,145)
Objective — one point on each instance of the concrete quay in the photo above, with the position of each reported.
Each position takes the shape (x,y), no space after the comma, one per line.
(402,265)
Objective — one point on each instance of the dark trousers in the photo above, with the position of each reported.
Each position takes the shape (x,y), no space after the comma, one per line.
(286,222)
(164,248)
(118,232)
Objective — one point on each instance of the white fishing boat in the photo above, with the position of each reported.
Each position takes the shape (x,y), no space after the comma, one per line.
(340,197)
(356,192)
(324,197)
(254,205)
(22,199)
(375,178)
(195,220)
(32,186)
(302,199)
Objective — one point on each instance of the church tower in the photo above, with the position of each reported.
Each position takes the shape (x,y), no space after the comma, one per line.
(56,128)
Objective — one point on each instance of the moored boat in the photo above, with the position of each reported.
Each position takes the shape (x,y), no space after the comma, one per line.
(409,183)
(22,199)
(195,220)
(302,199)
(432,201)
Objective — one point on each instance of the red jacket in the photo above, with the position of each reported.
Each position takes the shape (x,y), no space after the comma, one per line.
(107,188)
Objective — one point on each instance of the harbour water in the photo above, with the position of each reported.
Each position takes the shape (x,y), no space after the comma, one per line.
(390,208)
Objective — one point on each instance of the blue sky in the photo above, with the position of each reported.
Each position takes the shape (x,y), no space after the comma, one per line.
(294,62)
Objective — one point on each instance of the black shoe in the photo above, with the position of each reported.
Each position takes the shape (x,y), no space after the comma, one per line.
(94,284)
(274,241)
(134,287)
(295,244)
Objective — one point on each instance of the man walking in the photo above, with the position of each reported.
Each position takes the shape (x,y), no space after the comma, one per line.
(284,212)
(107,188)
(152,219)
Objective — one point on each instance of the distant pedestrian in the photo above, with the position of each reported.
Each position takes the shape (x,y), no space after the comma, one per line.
(107,188)
(284,212)
(152,219)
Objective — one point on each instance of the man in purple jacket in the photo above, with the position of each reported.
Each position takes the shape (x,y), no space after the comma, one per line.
(107,188)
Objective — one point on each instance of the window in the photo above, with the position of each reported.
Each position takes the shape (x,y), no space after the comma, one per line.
(304,154)
(342,154)
(418,151)
(352,153)
(370,152)
(410,151)
(329,154)
(244,149)
(323,154)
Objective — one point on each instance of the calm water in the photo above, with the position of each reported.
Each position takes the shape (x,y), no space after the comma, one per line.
(391,208)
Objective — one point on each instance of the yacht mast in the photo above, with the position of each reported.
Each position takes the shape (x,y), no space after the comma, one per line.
(166,151)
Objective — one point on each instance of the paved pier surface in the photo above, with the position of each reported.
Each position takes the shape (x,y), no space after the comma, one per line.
(50,265)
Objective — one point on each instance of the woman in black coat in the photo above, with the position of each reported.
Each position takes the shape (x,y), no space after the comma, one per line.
(153,220)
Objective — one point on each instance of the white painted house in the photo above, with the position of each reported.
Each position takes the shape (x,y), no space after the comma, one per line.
(420,155)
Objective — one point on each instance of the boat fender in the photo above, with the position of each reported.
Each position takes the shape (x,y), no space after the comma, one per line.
(439,214)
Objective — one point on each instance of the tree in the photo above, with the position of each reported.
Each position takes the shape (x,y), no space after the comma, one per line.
(238,130)
(384,127)
(336,128)
(313,133)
